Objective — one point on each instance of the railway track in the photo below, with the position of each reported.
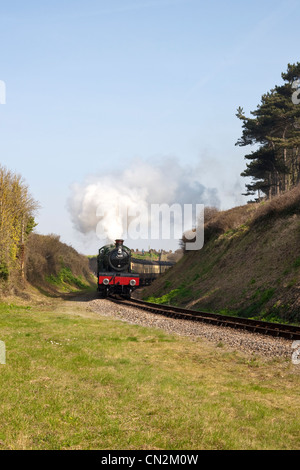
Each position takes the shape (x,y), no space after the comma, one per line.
(254,326)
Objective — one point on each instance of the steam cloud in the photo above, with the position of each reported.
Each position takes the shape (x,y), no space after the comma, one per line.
(95,204)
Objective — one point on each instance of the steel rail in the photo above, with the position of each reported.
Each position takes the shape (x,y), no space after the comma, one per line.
(254,326)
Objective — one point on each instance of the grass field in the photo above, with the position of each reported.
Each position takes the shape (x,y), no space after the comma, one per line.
(75,380)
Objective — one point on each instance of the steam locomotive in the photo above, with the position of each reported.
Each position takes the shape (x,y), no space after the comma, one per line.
(114,271)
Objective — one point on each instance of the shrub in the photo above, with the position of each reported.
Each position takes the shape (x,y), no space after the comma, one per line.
(4,271)
(285,204)
(223,221)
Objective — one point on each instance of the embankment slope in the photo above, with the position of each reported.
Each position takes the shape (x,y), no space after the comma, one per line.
(249,265)
(55,268)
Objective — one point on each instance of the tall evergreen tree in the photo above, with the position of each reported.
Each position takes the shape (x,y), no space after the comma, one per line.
(275,130)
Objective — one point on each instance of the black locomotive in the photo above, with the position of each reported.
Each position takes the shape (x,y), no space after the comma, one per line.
(114,270)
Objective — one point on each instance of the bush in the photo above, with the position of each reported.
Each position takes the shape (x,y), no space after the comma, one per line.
(4,272)
(285,204)
(220,222)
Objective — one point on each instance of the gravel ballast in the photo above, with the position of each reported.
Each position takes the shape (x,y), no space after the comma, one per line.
(250,343)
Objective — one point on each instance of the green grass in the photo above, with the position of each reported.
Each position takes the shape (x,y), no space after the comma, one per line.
(296,263)
(65,278)
(76,380)
(146,255)
(173,297)
(255,309)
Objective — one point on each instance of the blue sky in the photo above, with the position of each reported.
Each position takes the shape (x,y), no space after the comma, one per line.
(92,85)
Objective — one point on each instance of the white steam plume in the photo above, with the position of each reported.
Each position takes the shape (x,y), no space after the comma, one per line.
(95,205)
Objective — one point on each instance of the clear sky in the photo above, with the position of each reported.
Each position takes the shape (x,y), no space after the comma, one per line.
(92,85)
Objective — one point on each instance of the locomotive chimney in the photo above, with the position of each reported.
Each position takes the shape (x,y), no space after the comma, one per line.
(119,247)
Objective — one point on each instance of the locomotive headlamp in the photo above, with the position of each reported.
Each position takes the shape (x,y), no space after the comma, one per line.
(132,282)
(106,281)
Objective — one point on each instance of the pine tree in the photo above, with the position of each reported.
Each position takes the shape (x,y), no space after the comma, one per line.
(275,130)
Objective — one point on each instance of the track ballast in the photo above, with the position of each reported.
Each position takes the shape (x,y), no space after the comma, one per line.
(254,326)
